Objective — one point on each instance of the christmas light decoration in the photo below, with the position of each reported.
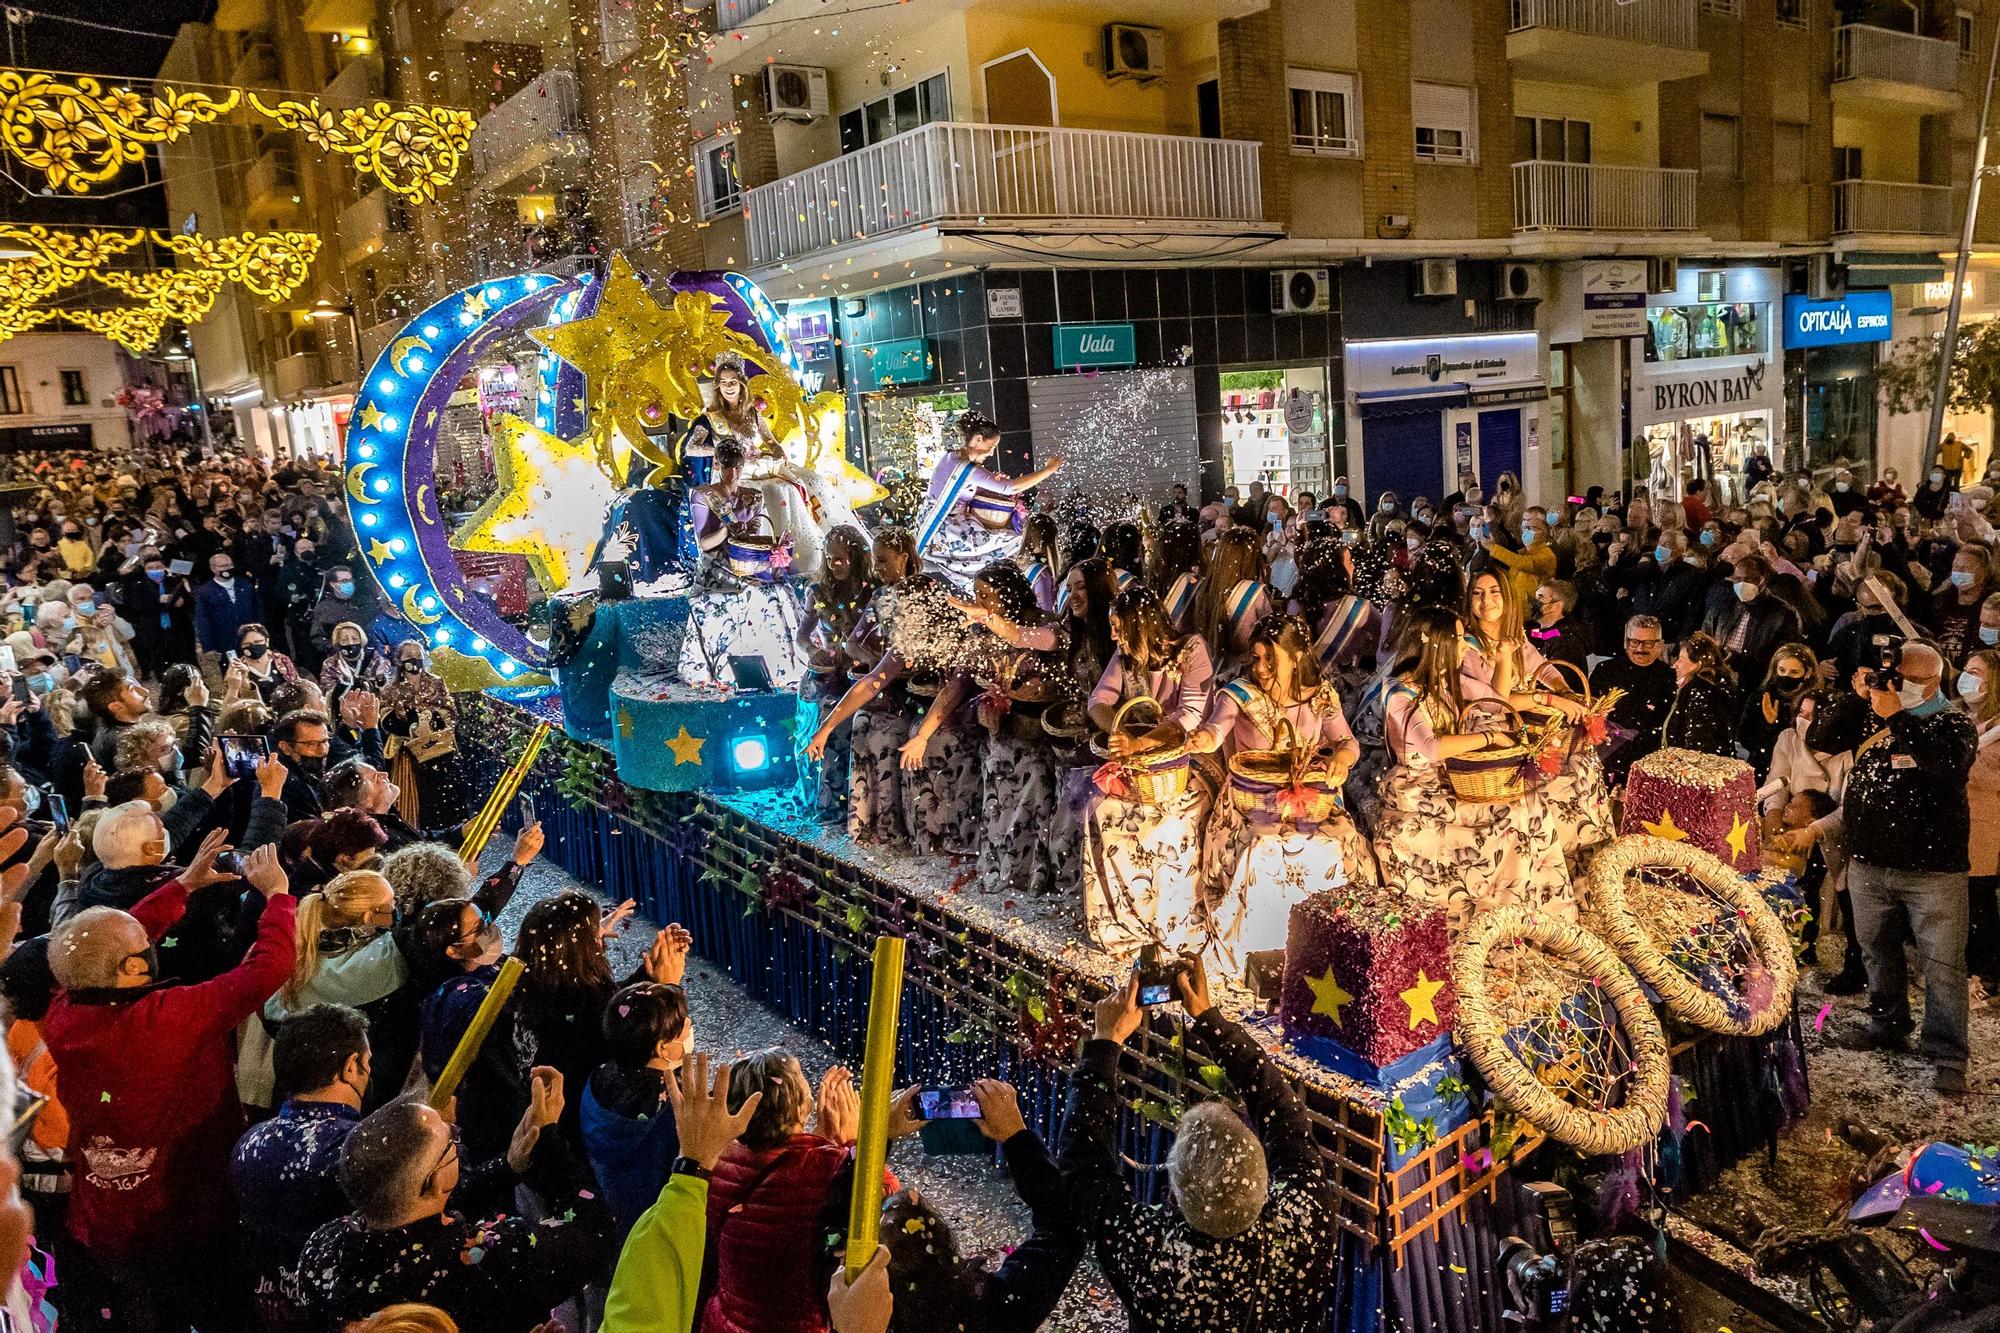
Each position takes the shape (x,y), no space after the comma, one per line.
(272,264)
(183,294)
(410,149)
(79,133)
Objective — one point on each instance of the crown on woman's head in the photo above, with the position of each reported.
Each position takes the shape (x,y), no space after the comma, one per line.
(729,361)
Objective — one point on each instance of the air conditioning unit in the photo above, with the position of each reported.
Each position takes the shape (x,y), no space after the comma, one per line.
(1826,278)
(1296,291)
(795,92)
(1662,275)
(1133,52)
(1435,277)
(1522,282)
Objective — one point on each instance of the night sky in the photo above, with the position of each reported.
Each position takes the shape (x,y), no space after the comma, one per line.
(46,42)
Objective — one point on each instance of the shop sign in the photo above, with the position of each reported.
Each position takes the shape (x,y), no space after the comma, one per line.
(1079,345)
(1299,404)
(1614,298)
(900,361)
(809,326)
(1751,388)
(1003,302)
(1421,365)
(1858,317)
(22,439)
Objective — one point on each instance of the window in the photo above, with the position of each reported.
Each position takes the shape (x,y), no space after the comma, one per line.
(1442,113)
(1792,12)
(1788,153)
(1719,146)
(1725,8)
(74,392)
(1965,35)
(1551,139)
(715,176)
(894,113)
(1847,164)
(1323,108)
(639,193)
(10,392)
(1703,331)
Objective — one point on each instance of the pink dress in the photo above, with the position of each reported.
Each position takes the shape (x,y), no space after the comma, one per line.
(1578,794)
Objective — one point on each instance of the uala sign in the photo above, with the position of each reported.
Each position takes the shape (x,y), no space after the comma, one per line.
(1079,345)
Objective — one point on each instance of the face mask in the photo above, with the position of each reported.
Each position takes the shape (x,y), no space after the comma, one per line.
(1747,592)
(1479,532)
(352,651)
(312,765)
(1413,542)
(157,575)
(343,589)
(86,609)
(1937,478)
(1527,535)
(69,622)
(1340,492)
(253,651)
(1387,506)
(1840,486)
(1707,537)
(31,799)
(409,667)
(226,577)
(1969,686)
(130,549)
(1788,684)
(1423,516)
(1602,539)
(1661,555)
(41,682)
(1989,634)
(1911,694)
(1961,578)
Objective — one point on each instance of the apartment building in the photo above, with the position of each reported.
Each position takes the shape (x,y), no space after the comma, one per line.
(1409,241)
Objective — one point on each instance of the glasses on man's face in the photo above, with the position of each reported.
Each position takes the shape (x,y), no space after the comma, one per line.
(1647,644)
(445,1158)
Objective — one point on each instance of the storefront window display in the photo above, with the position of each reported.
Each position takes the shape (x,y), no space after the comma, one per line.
(1698,332)
(1712,447)
(1274,429)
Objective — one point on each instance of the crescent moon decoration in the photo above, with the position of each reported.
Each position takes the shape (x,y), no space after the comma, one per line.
(399,354)
(394,428)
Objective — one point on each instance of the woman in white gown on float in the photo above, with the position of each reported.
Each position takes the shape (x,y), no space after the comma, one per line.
(971,517)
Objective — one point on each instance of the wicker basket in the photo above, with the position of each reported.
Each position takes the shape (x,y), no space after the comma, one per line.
(1256,777)
(992,511)
(1155,777)
(1555,727)
(1497,773)
(749,555)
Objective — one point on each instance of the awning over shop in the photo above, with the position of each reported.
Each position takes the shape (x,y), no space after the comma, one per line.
(1877,268)
(1398,403)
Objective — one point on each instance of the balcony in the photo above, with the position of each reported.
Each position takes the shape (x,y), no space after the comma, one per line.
(539,130)
(351,17)
(375,229)
(1895,210)
(1588,197)
(256,65)
(1611,43)
(271,186)
(1008,178)
(242,15)
(520,22)
(359,81)
(297,375)
(1899,73)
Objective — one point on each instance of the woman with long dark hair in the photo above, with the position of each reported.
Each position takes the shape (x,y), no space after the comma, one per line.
(1141,859)
(1180,571)
(971,517)
(833,608)
(1704,712)
(1086,616)
(1040,558)
(1463,855)
(1290,840)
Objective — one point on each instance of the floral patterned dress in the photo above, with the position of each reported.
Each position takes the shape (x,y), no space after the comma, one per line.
(824,785)
(1465,856)
(952,541)
(1258,863)
(1577,793)
(876,808)
(1142,861)
(1018,771)
(732,616)
(943,804)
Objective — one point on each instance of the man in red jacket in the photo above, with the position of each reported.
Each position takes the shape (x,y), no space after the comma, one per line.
(147,1075)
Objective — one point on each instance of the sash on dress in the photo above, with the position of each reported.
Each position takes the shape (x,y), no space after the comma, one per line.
(934,521)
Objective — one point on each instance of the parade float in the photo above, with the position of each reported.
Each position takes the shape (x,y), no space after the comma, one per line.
(1438,1070)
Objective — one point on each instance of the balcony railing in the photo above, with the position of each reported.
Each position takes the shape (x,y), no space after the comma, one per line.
(272,183)
(256,65)
(1893,208)
(358,81)
(735,13)
(1005,174)
(1580,196)
(1654,22)
(1866,52)
(375,223)
(542,121)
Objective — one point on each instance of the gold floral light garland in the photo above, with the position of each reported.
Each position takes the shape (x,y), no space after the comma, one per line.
(272,264)
(137,329)
(79,132)
(184,294)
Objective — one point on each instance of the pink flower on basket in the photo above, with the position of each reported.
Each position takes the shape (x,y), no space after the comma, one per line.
(1476,1163)
(1111,779)
(1549,761)
(781,557)
(1595,728)
(1294,801)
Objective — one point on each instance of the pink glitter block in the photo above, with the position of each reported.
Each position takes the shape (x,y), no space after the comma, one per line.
(1378,959)
(1701,799)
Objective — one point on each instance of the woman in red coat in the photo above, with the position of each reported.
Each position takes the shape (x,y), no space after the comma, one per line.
(766,1193)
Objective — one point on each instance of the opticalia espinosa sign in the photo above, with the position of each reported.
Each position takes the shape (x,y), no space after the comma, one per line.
(1858,317)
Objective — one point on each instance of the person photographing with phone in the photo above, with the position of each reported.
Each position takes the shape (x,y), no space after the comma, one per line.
(1248,1240)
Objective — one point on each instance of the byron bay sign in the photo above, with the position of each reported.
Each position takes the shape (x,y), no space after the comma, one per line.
(1725,391)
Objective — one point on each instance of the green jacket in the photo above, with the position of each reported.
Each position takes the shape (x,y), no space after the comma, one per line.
(658,1278)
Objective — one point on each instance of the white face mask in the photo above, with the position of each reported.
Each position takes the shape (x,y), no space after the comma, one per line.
(1970,687)
(1747,592)
(1911,694)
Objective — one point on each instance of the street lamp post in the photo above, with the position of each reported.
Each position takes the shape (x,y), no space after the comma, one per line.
(1935,437)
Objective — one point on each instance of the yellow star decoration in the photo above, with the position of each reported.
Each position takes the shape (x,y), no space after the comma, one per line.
(475,304)
(1328,997)
(1666,828)
(686,748)
(549,505)
(371,416)
(1739,837)
(378,551)
(1422,999)
(625,724)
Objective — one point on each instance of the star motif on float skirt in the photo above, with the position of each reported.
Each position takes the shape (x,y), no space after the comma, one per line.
(686,748)
(625,724)
(549,504)
(1739,837)
(625,328)
(378,551)
(475,304)
(1666,828)
(1422,1000)
(1328,997)
(371,416)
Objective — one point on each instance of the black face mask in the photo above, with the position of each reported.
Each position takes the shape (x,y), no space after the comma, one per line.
(352,651)
(253,651)
(1786,685)
(1601,538)
(312,765)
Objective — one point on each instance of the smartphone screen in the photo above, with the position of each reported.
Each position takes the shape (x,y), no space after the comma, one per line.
(241,754)
(527,811)
(946,1104)
(7,660)
(1152,993)
(180,567)
(58,812)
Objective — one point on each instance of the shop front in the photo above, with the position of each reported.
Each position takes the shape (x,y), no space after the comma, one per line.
(1831,350)
(1920,309)
(1707,389)
(1434,415)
